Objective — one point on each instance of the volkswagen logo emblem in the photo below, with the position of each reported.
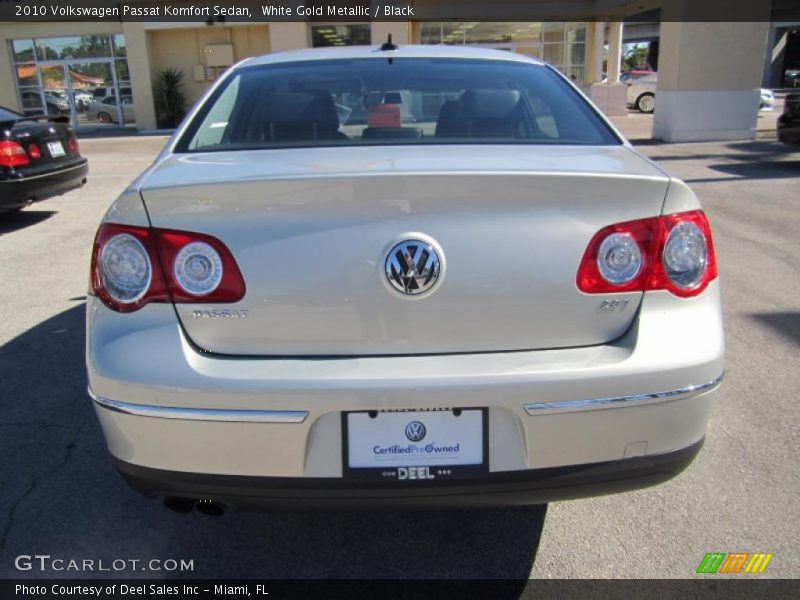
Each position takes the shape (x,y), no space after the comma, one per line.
(415,431)
(413,267)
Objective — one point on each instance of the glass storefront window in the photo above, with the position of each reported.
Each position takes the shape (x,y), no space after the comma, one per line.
(576,32)
(341,35)
(576,74)
(431,33)
(122,72)
(26,75)
(576,54)
(563,45)
(554,54)
(118,42)
(86,46)
(31,98)
(66,75)
(503,33)
(553,32)
(22,51)
(453,33)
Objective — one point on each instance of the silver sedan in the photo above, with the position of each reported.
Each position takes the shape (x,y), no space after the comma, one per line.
(106,110)
(401,276)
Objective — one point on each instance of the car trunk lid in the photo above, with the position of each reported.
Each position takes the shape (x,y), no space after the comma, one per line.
(311,228)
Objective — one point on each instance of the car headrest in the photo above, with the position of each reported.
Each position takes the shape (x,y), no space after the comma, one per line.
(312,106)
(392,98)
(449,123)
(488,104)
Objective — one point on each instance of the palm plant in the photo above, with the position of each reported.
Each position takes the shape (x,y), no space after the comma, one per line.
(170,101)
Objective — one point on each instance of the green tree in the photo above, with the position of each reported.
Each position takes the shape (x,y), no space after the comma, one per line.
(635,57)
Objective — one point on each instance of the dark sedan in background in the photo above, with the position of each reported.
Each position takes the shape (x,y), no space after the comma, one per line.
(789,121)
(39,158)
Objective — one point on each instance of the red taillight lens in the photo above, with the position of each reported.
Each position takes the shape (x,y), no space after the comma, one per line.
(132,266)
(34,152)
(12,154)
(125,271)
(672,252)
(200,268)
(687,261)
(73,145)
(590,278)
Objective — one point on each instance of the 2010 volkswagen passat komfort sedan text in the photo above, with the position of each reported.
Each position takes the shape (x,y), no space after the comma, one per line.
(411,277)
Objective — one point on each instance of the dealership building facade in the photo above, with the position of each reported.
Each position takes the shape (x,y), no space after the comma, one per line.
(112,66)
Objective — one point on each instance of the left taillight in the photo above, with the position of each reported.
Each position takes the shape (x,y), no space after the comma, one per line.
(132,266)
(12,154)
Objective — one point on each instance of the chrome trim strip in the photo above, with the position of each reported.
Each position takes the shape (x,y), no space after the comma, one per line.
(32,177)
(202,414)
(545,408)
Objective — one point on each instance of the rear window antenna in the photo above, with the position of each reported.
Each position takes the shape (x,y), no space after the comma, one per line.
(388,45)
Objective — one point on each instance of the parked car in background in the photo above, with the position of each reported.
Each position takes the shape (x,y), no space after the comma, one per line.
(496,302)
(60,94)
(766,100)
(105,110)
(789,121)
(82,99)
(104,91)
(32,104)
(39,158)
(641,93)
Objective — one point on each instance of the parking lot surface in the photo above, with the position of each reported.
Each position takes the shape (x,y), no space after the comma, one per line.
(60,496)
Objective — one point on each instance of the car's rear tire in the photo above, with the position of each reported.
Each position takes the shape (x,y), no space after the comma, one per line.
(646,103)
(103,117)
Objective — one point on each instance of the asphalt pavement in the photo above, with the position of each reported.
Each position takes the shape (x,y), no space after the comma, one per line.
(60,496)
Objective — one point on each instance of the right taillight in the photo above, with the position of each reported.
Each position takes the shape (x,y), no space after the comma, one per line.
(132,266)
(673,252)
(73,145)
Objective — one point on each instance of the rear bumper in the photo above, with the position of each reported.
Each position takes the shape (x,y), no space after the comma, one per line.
(181,422)
(19,192)
(533,486)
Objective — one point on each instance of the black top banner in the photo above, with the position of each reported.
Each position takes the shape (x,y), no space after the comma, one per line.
(399,10)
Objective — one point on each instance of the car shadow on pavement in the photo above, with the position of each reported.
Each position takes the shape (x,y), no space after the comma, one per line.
(753,169)
(60,496)
(785,323)
(14,221)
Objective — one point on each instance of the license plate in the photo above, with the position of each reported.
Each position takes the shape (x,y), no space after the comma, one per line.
(415,444)
(56,149)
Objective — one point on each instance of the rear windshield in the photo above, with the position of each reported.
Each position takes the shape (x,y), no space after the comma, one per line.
(402,101)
